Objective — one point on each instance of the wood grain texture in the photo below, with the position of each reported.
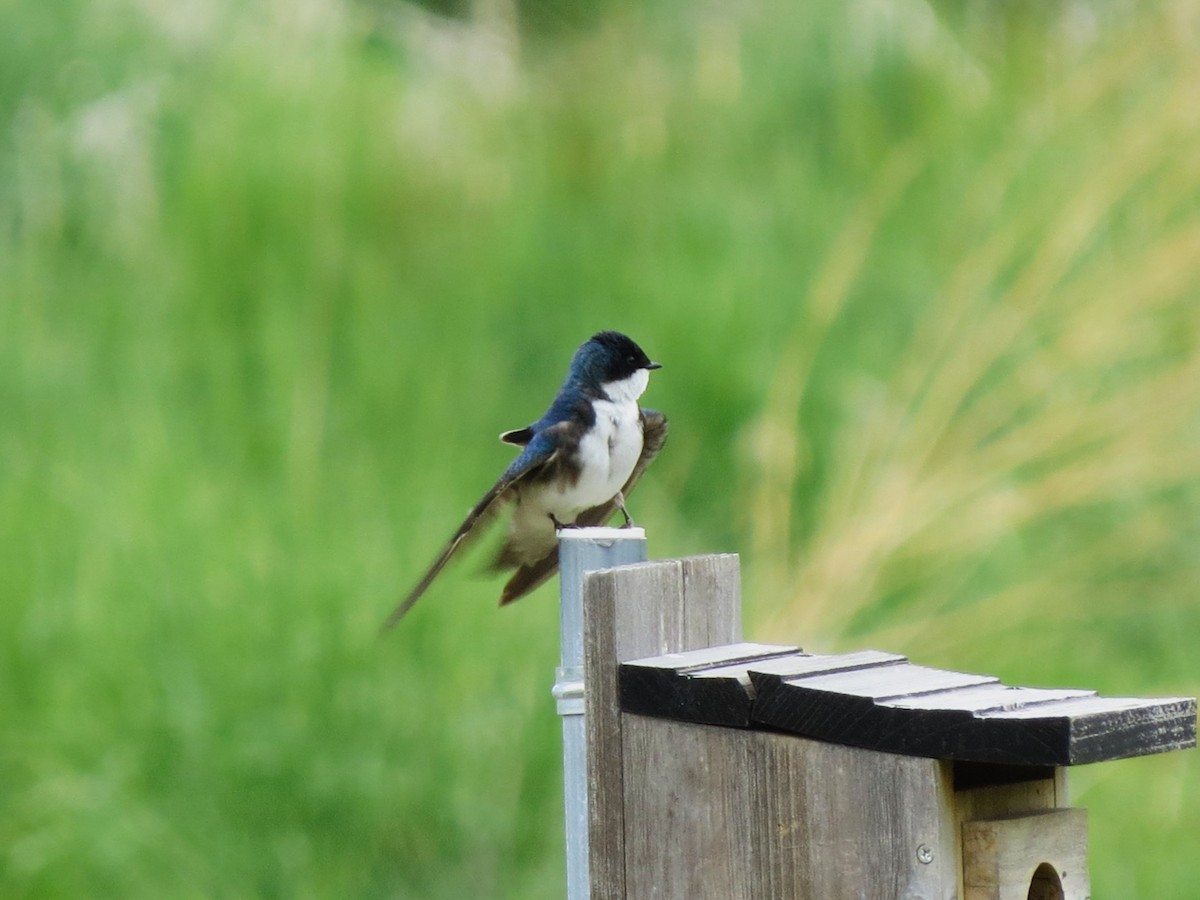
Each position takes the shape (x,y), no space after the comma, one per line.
(1041,855)
(712,601)
(887,767)
(881,701)
(709,686)
(632,612)
(1112,728)
(730,813)
(898,707)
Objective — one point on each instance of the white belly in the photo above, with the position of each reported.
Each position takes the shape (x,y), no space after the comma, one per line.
(607,456)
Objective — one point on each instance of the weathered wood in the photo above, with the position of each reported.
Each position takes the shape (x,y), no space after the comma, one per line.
(1041,855)
(901,708)
(712,582)
(730,813)
(987,791)
(1104,728)
(709,686)
(881,701)
(887,769)
(713,685)
(808,664)
(631,612)
(999,801)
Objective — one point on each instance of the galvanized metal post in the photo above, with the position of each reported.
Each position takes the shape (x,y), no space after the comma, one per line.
(582,550)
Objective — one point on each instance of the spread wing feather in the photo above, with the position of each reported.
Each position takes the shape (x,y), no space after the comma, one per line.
(538,454)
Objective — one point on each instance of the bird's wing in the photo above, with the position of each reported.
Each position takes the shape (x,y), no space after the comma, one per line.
(538,453)
(533,575)
(518,436)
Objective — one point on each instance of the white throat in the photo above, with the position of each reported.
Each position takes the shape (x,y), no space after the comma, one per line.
(627,389)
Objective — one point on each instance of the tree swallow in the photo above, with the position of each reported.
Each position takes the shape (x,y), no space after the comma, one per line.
(579,462)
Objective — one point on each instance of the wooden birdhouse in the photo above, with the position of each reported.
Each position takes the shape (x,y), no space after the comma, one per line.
(717,768)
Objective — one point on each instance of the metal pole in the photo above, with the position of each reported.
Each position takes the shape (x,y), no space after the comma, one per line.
(582,550)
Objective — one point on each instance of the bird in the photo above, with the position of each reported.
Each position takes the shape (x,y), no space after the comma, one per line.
(577,465)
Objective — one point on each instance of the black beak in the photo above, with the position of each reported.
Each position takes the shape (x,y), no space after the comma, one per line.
(652,366)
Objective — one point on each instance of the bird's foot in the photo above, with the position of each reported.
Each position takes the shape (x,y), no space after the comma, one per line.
(560,526)
(620,498)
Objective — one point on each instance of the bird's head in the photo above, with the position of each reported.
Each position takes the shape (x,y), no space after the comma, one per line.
(614,364)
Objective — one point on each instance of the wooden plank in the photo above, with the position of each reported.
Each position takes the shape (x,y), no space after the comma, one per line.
(728,813)
(712,598)
(821,664)
(1041,855)
(1083,706)
(878,683)
(988,698)
(882,701)
(706,658)
(986,791)
(713,685)
(709,686)
(1004,800)
(629,613)
(898,707)
(1102,728)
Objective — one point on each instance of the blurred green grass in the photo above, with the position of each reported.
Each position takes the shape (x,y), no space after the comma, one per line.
(272,277)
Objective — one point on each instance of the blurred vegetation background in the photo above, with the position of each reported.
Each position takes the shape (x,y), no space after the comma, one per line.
(274,275)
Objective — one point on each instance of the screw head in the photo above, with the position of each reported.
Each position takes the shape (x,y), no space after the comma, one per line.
(924,854)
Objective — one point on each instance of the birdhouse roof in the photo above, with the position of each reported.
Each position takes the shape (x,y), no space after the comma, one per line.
(882,701)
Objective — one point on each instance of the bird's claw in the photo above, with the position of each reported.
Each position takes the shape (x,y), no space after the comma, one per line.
(620,498)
